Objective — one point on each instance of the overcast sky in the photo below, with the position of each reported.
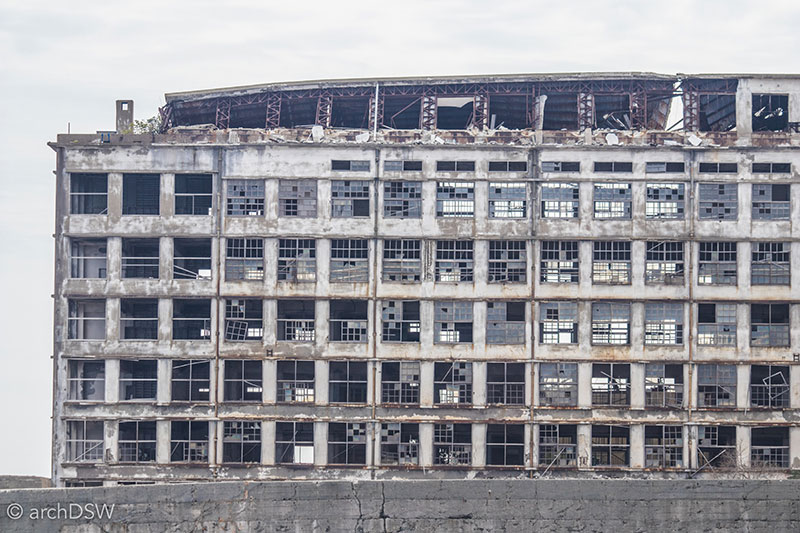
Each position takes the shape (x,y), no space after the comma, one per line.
(66,62)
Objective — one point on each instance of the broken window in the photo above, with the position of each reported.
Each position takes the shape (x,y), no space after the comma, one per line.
(455,199)
(83,483)
(663,447)
(84,441)
(717,112)
(297,260)
(244,381)
(772,168)
(611,262)
(718,201)
(241,442)
(244,259)
(612,111)
(87,380)
(769,324)
(508,200)
(769,447)
(452,444)
(612,200)
(350,112)
(558,384)
(505,444)
(664,263)
(717,263)
(560,200)
(402,260)
(505,383)
(611,323)
(296,320)
(137,441)
(141,194)
(297,198)
(718,168)
(88,194)
(191,380)
(87,319)
(400,382)
(138,319)
(560,111)
(507,262)
(454,112)
(349,199)
(348,381)
(192,259)
(402,199)
(245,198)
(406,165)
(452,322)
(400,321)
(611,384)
(771,201)
(559,263)
(613,166)
(294,443)
(295,381)
(138,379)
(244,320)
(193,194)
(716,324)
(610,445)
(454,261)
(558,445)
(88,258)
(663,323)
(509,111)
(140,258)
(399,444)
(716,446)
(771,264)
(561,166)
(558,323)
(716,385)
(347,443)
(655,167)
(663,385)
(191,319)
(505,323)
(349,260)
(452,383)
(770,112)
(665,201)
(402,112)
(348,320)
(508,166)
(769,386)
(352,166)
(189,441)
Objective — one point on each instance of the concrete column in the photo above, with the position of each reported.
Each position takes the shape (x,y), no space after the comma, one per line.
(478,445)
(637,446)
(794,388)
(166,257)
(426,444)
(794,447)
(534,447)
(528,445)
(112,319)
(271,188)
(320,443)
(219,440)
(638,254)
(372,459)
(163,385)
(221,382)
(479,326)
(426,383)
(637,327)
(743,258)
(114,196)
(167,195)
(585,249)
(213,443)
(480,252)
(743,446)
(164,319)
(743,386)
(270,266)
(637,386)
(426,326)
(270,381)
(214,381)
(114,258)
(112,380)
(584,446)
(270,311)
(268,442)
(585,385)
(111,439)
(529,387)
(163,433)
(323,266)
(479,370)
(585,326)
(321,382)
(690,447)
(321,324)
(743,325)
(264,383)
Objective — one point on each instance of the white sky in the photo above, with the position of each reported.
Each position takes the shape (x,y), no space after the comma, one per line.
(67,62)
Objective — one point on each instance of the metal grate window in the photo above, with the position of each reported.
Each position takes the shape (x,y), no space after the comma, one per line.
(558,445)
(349,199)
(716,324)
(612,200)
(505,323)
(664,263)
(452,383)
(241,442)
(400,382)
(559,262)
(455,199)
(611,262)
(399,444)
(191,380)
(558,323)
(663,385)
(244,259)
(505,444)
(245,198)
(454,261)
(244,381)
(452,444)
(716,385)
(349,260)
(611,384)
(188,441)
(452,322)
(611,323)
(665,201)
(244,320)
(769,447)
(137,441)
(347,443)
(297,260)
(610,446)
(771,263)
(294,443)
(141,194)
(402,199)
(138,319)
(508,200)
(400,321)
(718,201)
(297,198)
(507,262)
(296,320)
(295,381)
(88,194)
(769,324)
(560,200)
(771,201)
(717,263)
(663,323)
(663,446)
(402,260)
(348,321)
(558,384)
(348,381)
(769,386)
(505,383)
(84,441)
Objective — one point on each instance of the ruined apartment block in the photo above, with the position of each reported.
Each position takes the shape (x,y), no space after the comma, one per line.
(527,275)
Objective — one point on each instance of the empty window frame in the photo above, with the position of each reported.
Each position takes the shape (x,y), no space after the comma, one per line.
(611,262)
(400,382)
(295,381)
(611,323)
(716,324)
(769,386)
(508,200)
(406,165)
(348,381)
(244,380)
(505,383)
(718,201)
(560,200)
(772,168)
(611,384)
(771,201)
(137,441)
(245,198)
(505,323)
(296,320)
(771,263)
(663,385)
(454,261)
(400,321)
(558,323)
(140,258)
(664,263)
(297,198)
(559,262)
(138,319)
(613,166)
(188,441)
(86,380)
(769,447)
(349,260)
(84,441)
(297,260)
(718,168)
(505,444)
(347,443)
(663,323)
(241,442)
(349,199)
(402,199)
(350,165)
(399,444)
(452,322)
(717,263)
(348,321)
(88,258)
(455,166)
(191,380)
(508,262)
(88,194)
(452,383)
(508,166)
(716,385)
(655,167)
(193,194)
(86,319)
(610,446)
(663,446)
(561,166)
(191,319)
(455,199)
(716,447)
(244,319)
(402,260)
(769,325)
(141,194)
(612,200)
(558,445)
(192,259)
(244,259)
(294,443)
(138,379)
(452,444)
(665,201)
(770,112)
(558,384)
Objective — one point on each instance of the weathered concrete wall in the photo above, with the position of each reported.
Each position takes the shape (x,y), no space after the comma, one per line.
(366,506)
(24,482)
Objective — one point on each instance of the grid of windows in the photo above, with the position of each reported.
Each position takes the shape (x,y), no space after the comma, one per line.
(771,201)
(452,383)
(718,201)
(611,262)
(611,383)
(245,198)
(348,321)
(402,260)
(664,263)
(508,200)
(716,324)
(558,323)
(769,325)
(243,381)
(663,446)
(507,262)
(347,381)
(610,446)
(505,383)
(399,444)
(559,262)
(558,445)
(454,261)
(297,198)
(188,441)
(611,323)
(297,260)
(193,194)
(665,201)
(455,199)
(88,194)
(452,322)
(771,263)
(295,381)
(560,200)
(400,382)
(402,199)
(241,442)
(716,385)
(400,321)
(663,323)
(505,323)
(716,263)
(505,444)
(663,385)
(612,200)
(137,441)
(558,384)
(452,444)
(349,260)
(244,320)
(296,320)
(244,259)
(294,443)
(769,386)
(191,380)
(347,443)
(349,199)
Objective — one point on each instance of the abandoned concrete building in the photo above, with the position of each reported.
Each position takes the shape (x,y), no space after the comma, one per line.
(523,275)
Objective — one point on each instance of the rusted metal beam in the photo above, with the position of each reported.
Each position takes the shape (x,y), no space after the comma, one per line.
(428,111)
(324,108)
(223,115)
(273,111)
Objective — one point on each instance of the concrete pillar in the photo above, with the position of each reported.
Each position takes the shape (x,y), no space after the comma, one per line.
(426,334)
(265,383)
(528,445)
(690,447)
(637,327)
(112,319)
(164,319)
(534,445)
(479,370)
(479,326)
(478,445)
(268,442)
(585,385)
(321,382)
(111,439)
(270,381)
(743,386)
(794,448)
(794,387)
(163,385)
(270,311)
(114,258)
(166,257)
(114,196)
(637,446)
(584,446)
(321,324)
(163,447)
(213,442)
(219,434)
(426,444)
(585,250)
(320,443)
(112,380)
(638,250)
(167,195)
(637,386)
(743,446)
(528,384)
(426,383)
